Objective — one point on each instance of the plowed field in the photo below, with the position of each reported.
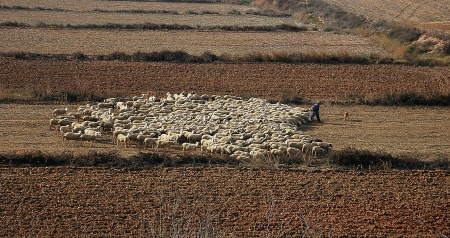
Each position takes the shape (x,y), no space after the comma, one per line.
(221,202)
(229,202)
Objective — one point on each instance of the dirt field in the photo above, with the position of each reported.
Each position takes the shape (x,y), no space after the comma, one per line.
(222,202)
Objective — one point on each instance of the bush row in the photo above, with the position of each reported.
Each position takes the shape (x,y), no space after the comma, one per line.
(209,57)
(346,158)
(406,99)
(153,26)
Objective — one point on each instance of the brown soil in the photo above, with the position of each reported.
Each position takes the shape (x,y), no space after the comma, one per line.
(222,202)
(229,202)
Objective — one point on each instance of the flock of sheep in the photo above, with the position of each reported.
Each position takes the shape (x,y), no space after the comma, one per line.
(242,128)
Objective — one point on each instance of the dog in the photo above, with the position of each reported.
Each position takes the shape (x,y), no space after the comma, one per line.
(345,116)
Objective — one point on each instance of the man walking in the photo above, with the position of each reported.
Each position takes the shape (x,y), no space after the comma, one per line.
(315,111)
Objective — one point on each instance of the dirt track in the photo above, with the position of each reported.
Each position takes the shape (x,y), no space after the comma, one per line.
(230,202)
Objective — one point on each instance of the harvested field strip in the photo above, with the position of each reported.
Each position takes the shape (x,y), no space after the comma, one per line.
(90,5)
(400,10)
(102,41)
(225,202)
(96,18)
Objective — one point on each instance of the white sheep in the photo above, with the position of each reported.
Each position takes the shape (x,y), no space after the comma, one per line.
(317,150)
(150,142)
(193,138)
(59,112)
(53,123)
(324,145)
(90,138)
(292,151)
(307,148)
(257,155)
(189,147)
(71,136)
(163,144)
(122,139)
(64,129)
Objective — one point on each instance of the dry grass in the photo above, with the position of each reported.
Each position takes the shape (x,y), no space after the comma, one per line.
(100,41)
(83,18)
(89,5)
(398,10)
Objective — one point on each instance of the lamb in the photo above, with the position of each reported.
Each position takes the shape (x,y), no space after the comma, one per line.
(59,112)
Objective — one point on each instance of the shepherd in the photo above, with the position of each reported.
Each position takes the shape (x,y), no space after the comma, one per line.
(315,111)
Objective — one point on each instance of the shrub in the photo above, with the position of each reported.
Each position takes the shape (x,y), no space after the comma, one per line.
(404,34)
(292,99)
(358,158)
(79,56)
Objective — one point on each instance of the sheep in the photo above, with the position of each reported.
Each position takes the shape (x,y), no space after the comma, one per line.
(64,129)
(141,138)
(317,150)
(257,155)
(189,147)
(276,152)
(59,112)
(307,148)
(221,124)
(53,123)
(71,136)
(122,139)
(295,144)
(164,144)
(90,138)
(150,142)
(121,105)
(324,145)
(64,122)
(193,138)
(292,151)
